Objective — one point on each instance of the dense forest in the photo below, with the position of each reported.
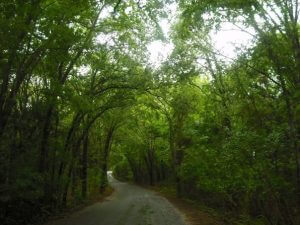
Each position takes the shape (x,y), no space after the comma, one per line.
(79,96)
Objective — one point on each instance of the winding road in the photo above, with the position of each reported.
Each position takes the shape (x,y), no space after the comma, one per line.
(128,205)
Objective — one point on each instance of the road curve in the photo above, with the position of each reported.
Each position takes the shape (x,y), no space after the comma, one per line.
(129,205)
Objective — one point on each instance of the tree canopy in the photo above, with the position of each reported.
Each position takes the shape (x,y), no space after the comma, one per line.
(79,96)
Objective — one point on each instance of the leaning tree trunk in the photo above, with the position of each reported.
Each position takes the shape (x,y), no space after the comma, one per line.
(84,178)
(106,150)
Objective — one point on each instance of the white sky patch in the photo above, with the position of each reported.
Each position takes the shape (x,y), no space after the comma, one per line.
(229,37)
(106,12)
(106,39)
(166,26)
(128,10)
(226,40)
(159,51)
(83,70)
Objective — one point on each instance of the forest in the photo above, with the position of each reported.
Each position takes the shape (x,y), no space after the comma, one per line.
(79,96)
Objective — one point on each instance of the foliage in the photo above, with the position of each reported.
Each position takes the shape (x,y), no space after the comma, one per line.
(78,97)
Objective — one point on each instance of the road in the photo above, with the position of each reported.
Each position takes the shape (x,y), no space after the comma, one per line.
(128,205)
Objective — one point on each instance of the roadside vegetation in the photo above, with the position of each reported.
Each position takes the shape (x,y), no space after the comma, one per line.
(78,96)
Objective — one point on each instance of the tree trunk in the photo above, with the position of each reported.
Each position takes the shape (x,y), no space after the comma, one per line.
(66,188)
(75,123)
(106,150)
(43,162)
(84,178)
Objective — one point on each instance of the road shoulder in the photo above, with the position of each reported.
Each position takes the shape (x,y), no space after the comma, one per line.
(194,213)
(73,209)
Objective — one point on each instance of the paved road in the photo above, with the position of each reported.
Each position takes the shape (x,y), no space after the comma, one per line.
(129,205)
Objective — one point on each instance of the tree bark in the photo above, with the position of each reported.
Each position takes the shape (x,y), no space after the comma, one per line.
(84,178)
(106,150)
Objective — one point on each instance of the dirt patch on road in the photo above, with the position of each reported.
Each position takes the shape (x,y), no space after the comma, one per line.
(194,213)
